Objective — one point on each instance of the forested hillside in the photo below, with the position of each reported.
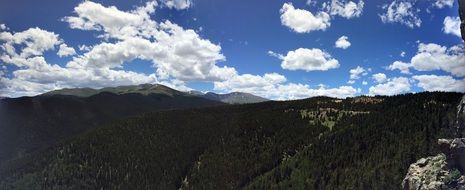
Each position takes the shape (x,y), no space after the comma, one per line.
(370,151)
(32,123)
(316,143)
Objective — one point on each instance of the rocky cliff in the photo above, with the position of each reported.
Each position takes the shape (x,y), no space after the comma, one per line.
(445,170)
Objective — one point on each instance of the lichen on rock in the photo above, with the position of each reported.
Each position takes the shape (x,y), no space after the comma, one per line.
(433,173)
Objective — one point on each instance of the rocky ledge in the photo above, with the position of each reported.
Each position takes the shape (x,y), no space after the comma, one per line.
(443,171)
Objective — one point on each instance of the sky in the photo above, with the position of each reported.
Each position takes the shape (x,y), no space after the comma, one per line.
(280,50)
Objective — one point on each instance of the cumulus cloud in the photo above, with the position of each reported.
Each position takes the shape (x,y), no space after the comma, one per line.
(401,11)
(311,2)
(391,87)
(35,41)
(432,57)
(303,21)
(436,57)
(440,83)
(178,55)
(452,26)
(443,3)
(34,75)
(64,50)
(113,22)
(343,42)
(175,52)
(3,27)
(274,86)
(401,66)
(379,77)
(177,4)
(345,9)
(307,60)
(355,73)
(84,48)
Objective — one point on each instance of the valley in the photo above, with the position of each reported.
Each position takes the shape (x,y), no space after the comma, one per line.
(315,143)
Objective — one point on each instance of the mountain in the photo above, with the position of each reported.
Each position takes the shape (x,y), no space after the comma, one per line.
(234,98)
(29,124)
(231,98)
(316,143)
(144,89)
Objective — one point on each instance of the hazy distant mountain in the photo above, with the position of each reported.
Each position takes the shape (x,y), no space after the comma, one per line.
(143,89)
(196,93)
(31,123)
(234,98)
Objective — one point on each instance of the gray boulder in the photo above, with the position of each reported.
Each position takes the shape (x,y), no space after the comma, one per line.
(433,173)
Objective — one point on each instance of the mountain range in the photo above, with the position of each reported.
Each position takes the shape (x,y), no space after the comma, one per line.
(31,123)
(153,137)
(146,89)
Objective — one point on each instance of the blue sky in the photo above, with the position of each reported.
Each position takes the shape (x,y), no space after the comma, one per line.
(275,49)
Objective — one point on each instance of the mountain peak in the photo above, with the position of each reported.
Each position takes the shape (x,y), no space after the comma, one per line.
(235,98)
(144,89)
(147,89)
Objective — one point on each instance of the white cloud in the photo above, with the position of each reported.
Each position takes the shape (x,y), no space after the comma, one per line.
(3,27)
(274,54)
(65,50)
(175,52)
(452,26)
(307,59)
(379,77)
(347,10)
(112,21)
(432,57)
(435,57)
(401,11)
(343,42)
(364,83)
(391,87)
(402,54)
(303,21)
(401,66)
(187,56)
(311,2)
(39,76)
(356,72)
(443,3)
(178,55)
(440,83)
(177,4)
(84,48)
(274,86)
(35,41)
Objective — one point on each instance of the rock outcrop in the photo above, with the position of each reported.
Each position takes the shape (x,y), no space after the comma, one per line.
(460,125)
(433,173)
(462,17)
(454,149)
(446,170)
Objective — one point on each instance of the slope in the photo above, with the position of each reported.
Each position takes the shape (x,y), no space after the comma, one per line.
(317,143)
(33,123)
(234,98)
